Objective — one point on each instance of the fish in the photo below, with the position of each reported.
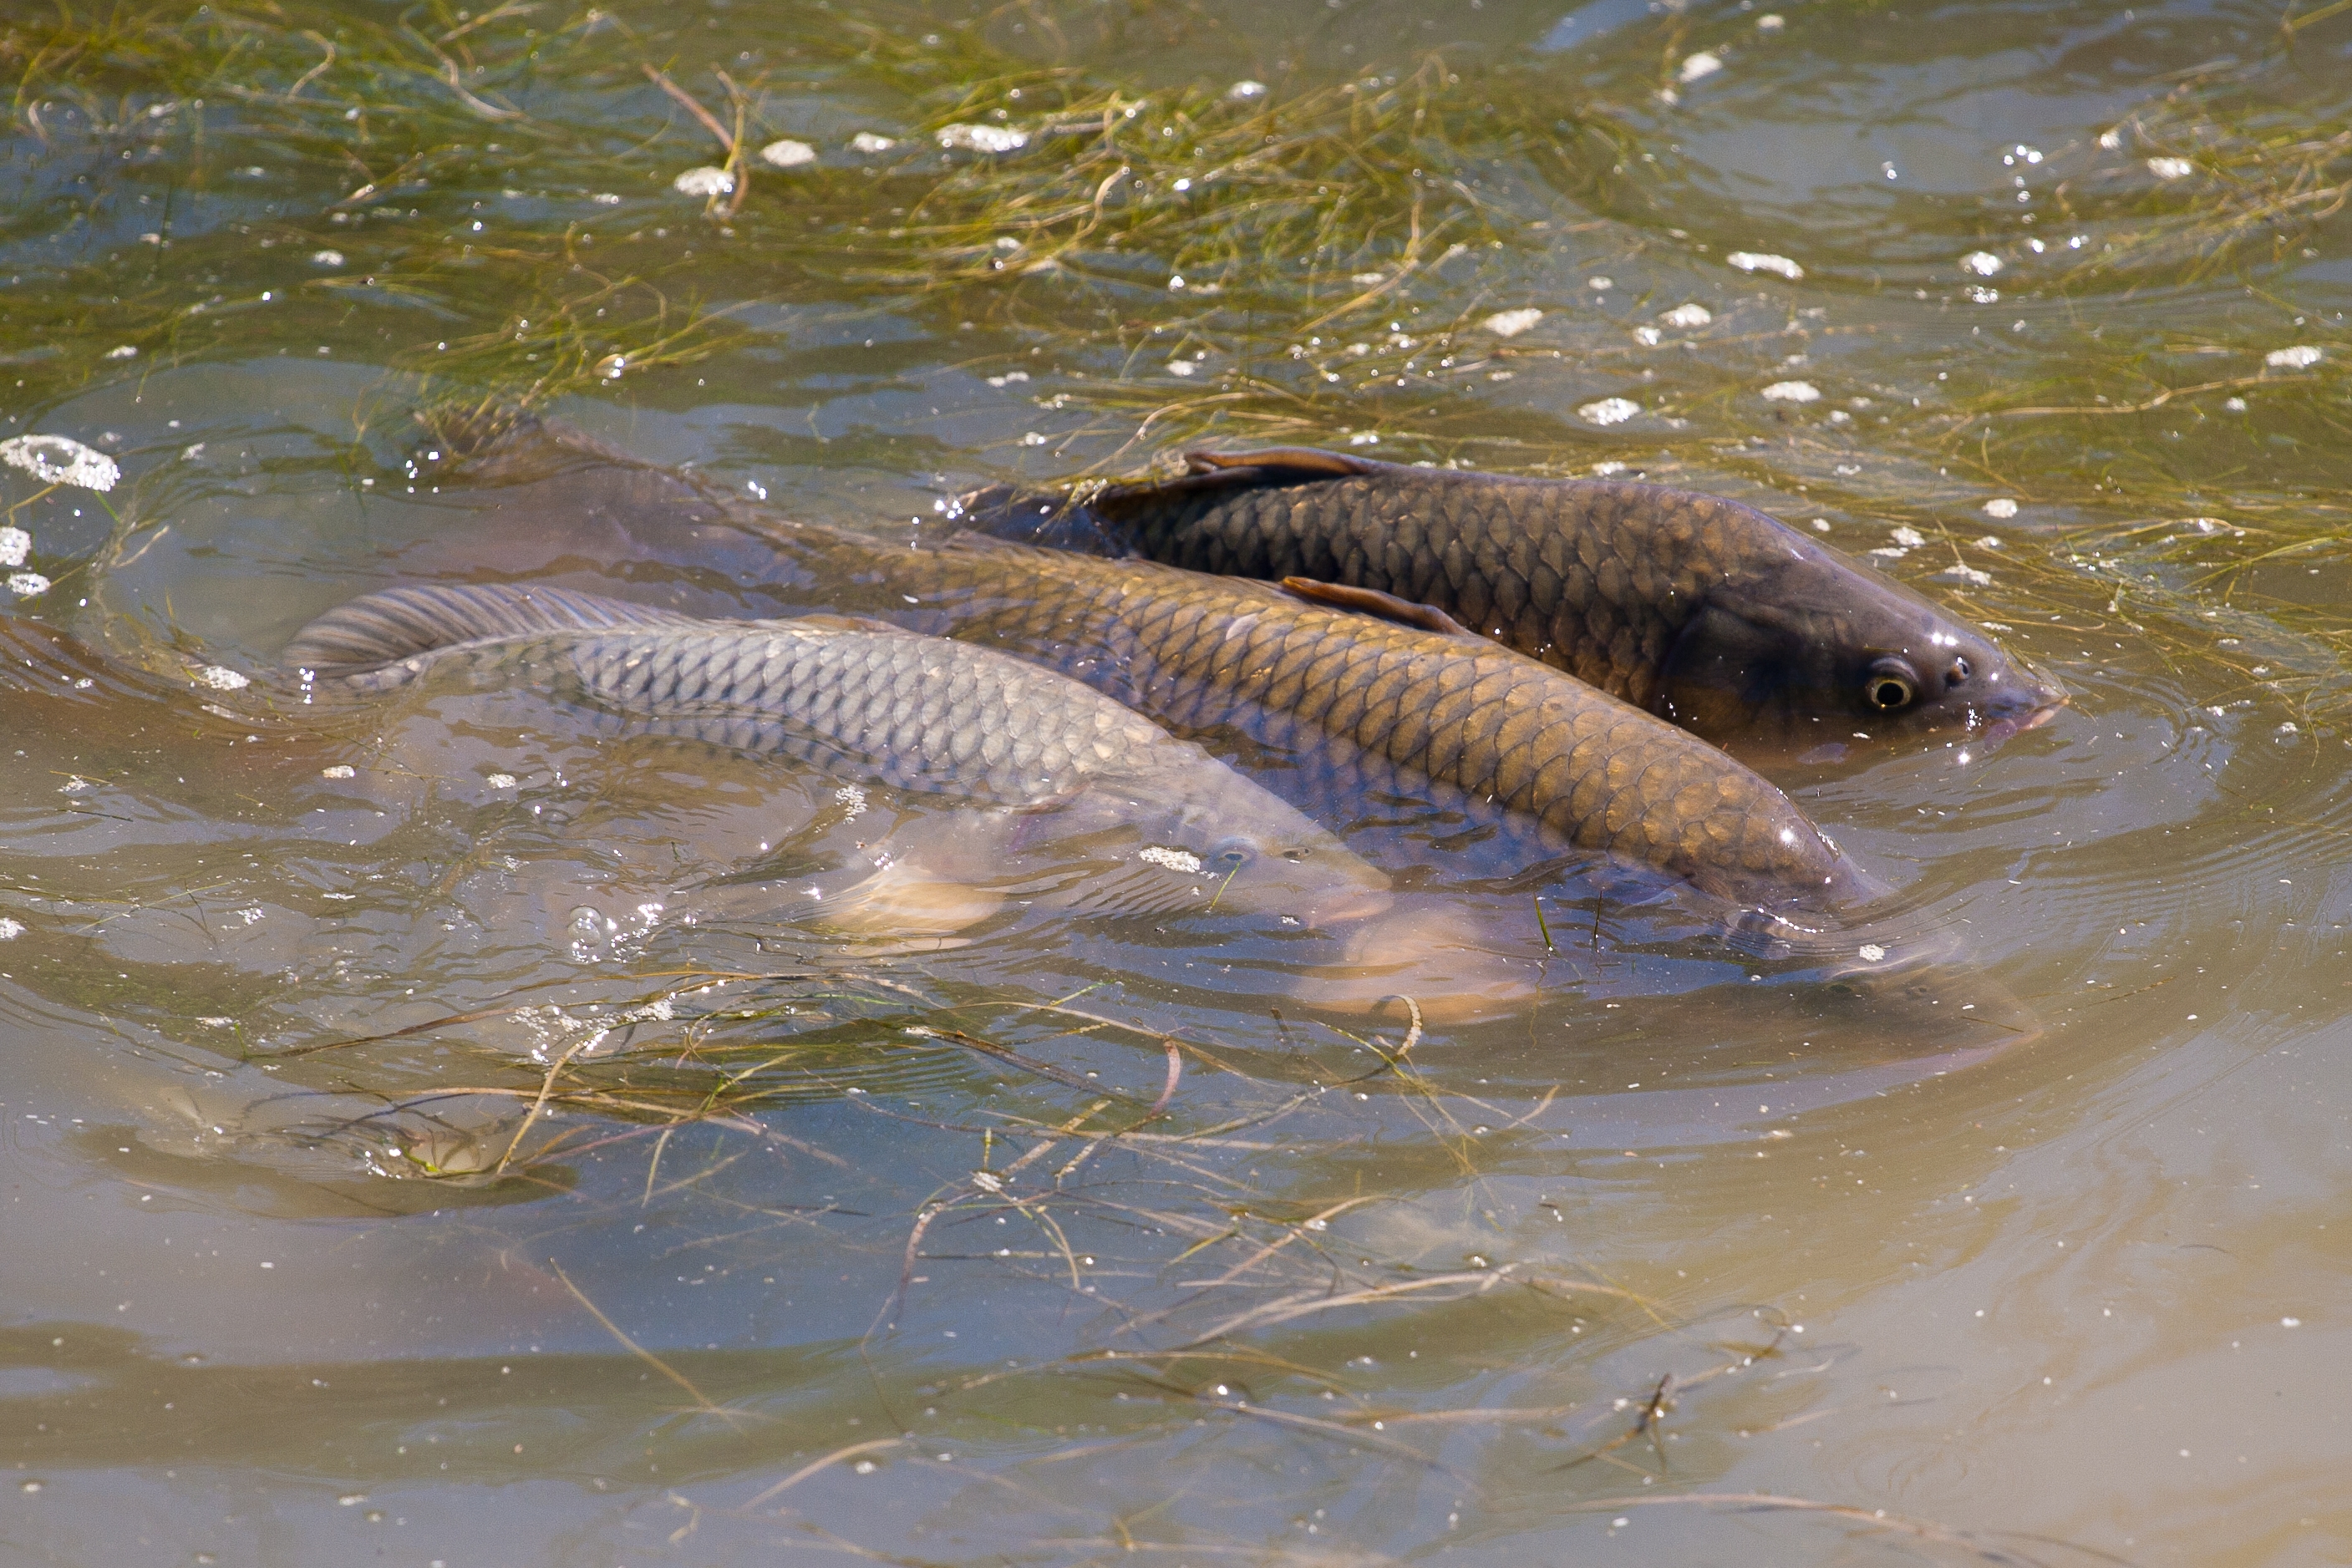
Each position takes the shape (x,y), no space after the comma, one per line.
(1361,709)
(867,702)
(1701,611)
(1349,716)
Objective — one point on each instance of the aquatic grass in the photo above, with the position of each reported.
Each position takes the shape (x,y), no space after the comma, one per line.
(2229,167)
(378,141)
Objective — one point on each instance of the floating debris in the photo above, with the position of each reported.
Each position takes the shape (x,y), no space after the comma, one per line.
(10,929)
(1770,22)
(1609,411)
(1909,537)
(2001,506)
(1793,392)
(2301,357)
(1687,315)
(1603,470)
(2171,168)
(1174,859)
(1983,262)
(1968,574)
(26,584)
(122,351)
(1696,68)
(500,781)
(327,258)
(788,153)
(1511,323)
(15,543)
(866,141)
(1600,284)
(340,770)
(704,181)
(1759,261)
(221,678)
(982,138)
(1364,438)
(1181,367)
(60,460)
(1242,91)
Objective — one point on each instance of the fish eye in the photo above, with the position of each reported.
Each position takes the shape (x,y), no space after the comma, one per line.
(1958,674)
(1294,857)
(1889,688)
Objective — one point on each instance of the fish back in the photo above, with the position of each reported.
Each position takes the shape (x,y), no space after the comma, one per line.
(912,712)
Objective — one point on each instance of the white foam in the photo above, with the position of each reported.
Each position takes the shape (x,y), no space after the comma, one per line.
(982,138)
(60,460)
(1762,261)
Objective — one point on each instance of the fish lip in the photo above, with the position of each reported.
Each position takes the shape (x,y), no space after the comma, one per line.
(2001,729)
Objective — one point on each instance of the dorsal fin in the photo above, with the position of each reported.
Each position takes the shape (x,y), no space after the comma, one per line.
(1372,602)
(382,628)
(1278,464)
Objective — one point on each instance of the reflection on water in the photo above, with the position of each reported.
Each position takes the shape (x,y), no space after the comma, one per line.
(442,1130)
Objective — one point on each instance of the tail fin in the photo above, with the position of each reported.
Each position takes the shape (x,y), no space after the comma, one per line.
(381,629)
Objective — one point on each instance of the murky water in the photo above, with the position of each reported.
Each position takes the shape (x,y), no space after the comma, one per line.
(436,1134)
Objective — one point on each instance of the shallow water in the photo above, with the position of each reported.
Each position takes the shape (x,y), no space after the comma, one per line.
(494,1154)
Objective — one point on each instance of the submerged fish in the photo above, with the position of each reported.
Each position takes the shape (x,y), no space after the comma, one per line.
(1702,611)
(864,700)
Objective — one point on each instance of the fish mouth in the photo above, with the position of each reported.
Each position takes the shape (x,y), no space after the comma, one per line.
(2001,729)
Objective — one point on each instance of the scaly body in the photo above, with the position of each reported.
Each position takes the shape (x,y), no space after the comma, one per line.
(1378,700)
(1699,610)
(868,701)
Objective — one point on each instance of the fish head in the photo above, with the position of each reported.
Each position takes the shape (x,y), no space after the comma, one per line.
(1801,634)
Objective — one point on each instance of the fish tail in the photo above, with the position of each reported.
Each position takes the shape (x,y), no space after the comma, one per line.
(380,630)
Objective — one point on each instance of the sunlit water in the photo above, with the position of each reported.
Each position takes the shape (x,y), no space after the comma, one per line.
(435,1132)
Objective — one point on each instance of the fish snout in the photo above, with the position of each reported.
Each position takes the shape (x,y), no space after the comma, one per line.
(2031,702)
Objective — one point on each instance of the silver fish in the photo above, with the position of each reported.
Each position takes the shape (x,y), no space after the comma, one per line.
(867,702)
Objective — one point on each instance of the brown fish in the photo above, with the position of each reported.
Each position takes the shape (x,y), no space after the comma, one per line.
(1701,611)
(1366,708)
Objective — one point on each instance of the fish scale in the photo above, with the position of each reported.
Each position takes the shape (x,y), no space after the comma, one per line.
(811,688)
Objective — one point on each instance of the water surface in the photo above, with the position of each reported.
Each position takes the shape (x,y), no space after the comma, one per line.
(492,1154)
